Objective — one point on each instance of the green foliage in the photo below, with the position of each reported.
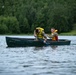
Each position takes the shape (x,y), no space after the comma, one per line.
(12,25)
(24,27)
(9,24)
(61,23)
(23,16)
(3,29)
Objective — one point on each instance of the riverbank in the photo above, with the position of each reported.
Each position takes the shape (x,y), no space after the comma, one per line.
(71,33)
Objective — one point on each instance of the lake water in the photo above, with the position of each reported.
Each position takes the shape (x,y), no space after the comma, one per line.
(55,60)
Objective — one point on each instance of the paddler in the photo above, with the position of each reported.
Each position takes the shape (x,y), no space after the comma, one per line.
(54,34)
(40,34)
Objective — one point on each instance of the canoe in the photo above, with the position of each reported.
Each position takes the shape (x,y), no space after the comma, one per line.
(24,42)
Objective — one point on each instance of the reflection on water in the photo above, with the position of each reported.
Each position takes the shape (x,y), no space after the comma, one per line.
(38,48)
(51,60)
(54,47)
(42,48)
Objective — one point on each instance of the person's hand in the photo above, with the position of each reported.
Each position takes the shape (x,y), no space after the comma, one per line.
(35,35)
(45,40)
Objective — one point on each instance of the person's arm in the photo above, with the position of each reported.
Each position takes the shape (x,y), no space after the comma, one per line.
(52,35)
(43,33)
(45,37)
(35,34)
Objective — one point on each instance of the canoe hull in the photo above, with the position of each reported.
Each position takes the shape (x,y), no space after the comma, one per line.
(24,42)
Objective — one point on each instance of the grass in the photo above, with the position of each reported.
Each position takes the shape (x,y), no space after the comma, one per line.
(71,33)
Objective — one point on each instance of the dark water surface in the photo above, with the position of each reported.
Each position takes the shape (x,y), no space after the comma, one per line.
(55,60)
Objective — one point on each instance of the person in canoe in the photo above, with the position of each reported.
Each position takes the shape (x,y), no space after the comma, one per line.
(54,34)
(40,34)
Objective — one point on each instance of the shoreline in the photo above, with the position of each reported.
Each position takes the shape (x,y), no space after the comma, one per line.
(71,33)
(62,34)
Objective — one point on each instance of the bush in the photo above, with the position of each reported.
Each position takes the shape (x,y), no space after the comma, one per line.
(3,29)
(24,27)
(13,25)
(61,23)
(10,24)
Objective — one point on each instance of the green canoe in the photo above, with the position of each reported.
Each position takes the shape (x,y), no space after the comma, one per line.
(24,42)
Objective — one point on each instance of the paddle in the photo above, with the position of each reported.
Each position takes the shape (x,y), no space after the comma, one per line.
(43,41)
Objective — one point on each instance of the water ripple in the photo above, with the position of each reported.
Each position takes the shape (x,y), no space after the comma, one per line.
(51,60)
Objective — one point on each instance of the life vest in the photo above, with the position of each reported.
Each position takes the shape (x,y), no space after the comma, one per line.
(40,35)
(55,38)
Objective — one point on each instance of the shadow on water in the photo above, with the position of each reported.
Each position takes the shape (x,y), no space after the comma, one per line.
(54,47)
(43,48)
(38,48)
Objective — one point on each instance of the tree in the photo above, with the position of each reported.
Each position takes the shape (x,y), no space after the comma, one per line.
(25,15)
(9,23)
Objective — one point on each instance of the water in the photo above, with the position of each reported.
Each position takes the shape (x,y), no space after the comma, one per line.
(55,60)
